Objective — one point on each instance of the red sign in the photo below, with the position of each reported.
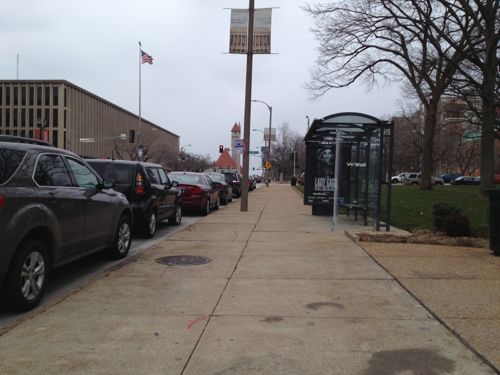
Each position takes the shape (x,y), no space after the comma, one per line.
(36,133)
(45,135)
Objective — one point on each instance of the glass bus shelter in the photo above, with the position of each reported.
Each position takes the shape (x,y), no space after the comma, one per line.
(348,158)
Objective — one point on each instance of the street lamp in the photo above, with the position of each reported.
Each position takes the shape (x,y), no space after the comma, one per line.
(181,154)
(268,136)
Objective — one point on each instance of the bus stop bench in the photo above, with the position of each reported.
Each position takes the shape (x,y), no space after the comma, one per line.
(355,208)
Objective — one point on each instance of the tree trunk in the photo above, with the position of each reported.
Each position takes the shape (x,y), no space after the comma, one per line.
(488,109)
(428,146)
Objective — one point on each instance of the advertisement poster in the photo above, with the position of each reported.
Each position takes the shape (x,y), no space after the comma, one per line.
(320,175)
(238,33)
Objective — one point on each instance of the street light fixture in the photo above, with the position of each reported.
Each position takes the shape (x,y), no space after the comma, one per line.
(268,136)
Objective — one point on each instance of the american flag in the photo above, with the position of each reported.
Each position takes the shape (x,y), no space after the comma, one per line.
(146,58)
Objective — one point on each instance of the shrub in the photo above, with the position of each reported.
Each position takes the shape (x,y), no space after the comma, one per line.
(440,211)
(450,220)
(456,225)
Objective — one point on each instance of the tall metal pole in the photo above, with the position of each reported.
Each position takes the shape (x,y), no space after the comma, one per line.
(338,135)
(269,143)
(248,108)
(139,138)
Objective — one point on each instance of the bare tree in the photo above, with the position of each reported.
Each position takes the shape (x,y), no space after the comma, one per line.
(287,141)
(478,74)
(192,162)
(389,41)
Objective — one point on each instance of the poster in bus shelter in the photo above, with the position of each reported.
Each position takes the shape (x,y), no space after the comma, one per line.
(320,174)
(238,34)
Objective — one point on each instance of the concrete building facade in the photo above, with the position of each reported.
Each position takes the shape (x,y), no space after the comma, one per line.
(72,118)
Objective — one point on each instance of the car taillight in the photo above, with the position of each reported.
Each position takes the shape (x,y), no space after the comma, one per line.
(196,190)
(2,201)
(139,184)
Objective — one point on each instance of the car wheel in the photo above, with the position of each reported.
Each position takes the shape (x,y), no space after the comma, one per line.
(151,225)
(177,218)
(122,240)
(206,209)
(27,278)
(394,181)
(224,199)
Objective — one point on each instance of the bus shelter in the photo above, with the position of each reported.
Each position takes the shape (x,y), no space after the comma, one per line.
(348,158)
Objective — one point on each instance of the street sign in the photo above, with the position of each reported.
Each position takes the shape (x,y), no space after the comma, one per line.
(87,140)
(239,143)
(267,165)
(254,152)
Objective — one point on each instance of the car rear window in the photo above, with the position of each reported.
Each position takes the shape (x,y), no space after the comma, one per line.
(120,174)
(185,178)
(217,177)
(9,162)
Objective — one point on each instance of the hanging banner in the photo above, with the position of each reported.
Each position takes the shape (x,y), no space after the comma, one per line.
(45,135)
(36,133)
(238,33)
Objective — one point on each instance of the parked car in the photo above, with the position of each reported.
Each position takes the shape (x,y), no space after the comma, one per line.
(416,179)
(234,178)
(258,179)
(399,178)
(225,188)
(252,184)
(448,177)
(53,209)
(147,188)
(198,191)
(466,180)
(412,178)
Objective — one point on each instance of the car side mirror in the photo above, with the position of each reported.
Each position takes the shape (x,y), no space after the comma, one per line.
(175,184)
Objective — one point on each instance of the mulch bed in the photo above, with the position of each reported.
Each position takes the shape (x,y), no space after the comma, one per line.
(424,237)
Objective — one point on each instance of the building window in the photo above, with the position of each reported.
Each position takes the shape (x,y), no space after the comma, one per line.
(38,116)
(14,132)
(30,121)
(1,95)
(1,118)
(65,97)
(23,95)
(39,95)
(16,114)
(64,119)
(55,96)
(54,118)
(31,133)
(23,133)
(47,117)
(7,96)
(32,95)
(7,132)
(16,95)
(54,137)
(23,117)
(47,95)
(7,117)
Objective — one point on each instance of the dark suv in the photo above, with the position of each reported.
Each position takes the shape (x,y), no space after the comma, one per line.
(53,209)
(148,189)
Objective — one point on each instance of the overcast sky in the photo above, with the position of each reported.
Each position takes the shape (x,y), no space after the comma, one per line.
(194,88)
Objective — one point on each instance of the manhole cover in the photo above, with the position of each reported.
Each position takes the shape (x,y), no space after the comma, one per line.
(183,260)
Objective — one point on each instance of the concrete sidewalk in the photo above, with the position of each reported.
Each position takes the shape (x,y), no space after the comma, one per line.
(282,295)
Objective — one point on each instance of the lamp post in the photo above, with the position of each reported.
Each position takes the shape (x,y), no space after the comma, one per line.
(268,136)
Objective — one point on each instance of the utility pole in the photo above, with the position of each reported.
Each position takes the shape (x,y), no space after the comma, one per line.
(248,108)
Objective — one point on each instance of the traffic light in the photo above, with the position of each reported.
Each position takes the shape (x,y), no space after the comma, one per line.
(131,136)
(221,149)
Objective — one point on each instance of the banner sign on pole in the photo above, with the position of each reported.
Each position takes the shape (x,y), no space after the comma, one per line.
(239,143)
(36,133)
(273,134)
(239,31)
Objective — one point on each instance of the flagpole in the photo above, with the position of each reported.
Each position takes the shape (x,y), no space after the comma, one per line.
(139,138)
